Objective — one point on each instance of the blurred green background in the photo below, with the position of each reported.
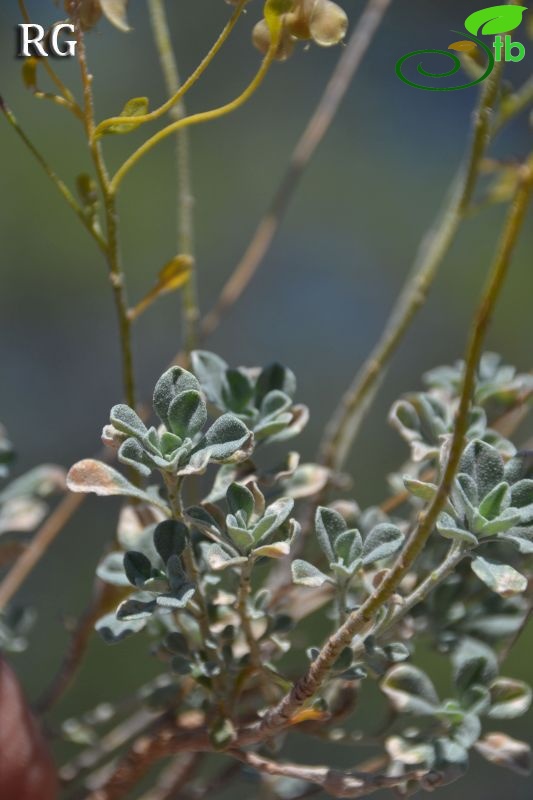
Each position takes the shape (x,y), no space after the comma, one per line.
(317,304)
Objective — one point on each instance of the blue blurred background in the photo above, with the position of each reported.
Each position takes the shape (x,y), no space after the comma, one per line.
(318,303)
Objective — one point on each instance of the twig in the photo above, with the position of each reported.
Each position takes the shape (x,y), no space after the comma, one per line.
(56,180)
(64,90)
(505,653)
(315,131)
(201,117)
(514,104)
(256,659)
(359,620)
(342,430)
(145,752)
(116,275)
(335,782)
(109,743)
(174,779)
(184,88)
(174,497)
(38,546)
(185,223)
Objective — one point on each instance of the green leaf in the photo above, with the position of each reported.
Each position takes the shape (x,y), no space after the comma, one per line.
(381,542)
(113,630)
(522,500)
(420,489)
(396,651)
(177,643)
(111,569)
(170,538)
(307,574)
(237,390)
(473,663)
(95,476)
(344,661)
(504,751)
(274,517)
(40,481)
(137,568)
(240,536)
(274,550)
(494,20)
(500,578)
(521,538)
(410,690)
(134,609)
(447,527)
(348,547)
(133,454)
(328,524)
(172,383)
(181,665)
(219,559)
(210,370)
(467,732)
(172,276)
(187,414)
(239,498)
(484,464)
(306,480)
(274,377)
(178,598)
(228,439)
(136,107)
(509,698)
(125,420)
(496,502)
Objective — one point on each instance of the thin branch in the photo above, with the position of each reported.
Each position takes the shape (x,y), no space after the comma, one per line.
(506,652)
(146,751)
(185,222)
(65,92)
(184,88)
(347,419)
(116,275)
(174,779)
(203,116)
(191,567)
(311,138)
(56,180)
(360,620)
(335,782)
(38,546)
(120,735)
(256,659)
(513,104)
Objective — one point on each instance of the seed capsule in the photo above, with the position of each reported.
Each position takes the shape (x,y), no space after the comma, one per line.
(328,23)
(262,39)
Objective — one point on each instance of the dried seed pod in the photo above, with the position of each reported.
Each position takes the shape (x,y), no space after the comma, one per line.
(261,38)
(88,12)
(328,23)
(297,24)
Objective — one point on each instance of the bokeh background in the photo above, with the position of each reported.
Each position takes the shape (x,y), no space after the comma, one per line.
(317,304)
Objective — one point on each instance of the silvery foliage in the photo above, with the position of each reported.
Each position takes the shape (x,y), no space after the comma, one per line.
(247,531)
(23,506)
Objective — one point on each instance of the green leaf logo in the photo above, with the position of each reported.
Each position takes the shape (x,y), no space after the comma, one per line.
(494,20)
